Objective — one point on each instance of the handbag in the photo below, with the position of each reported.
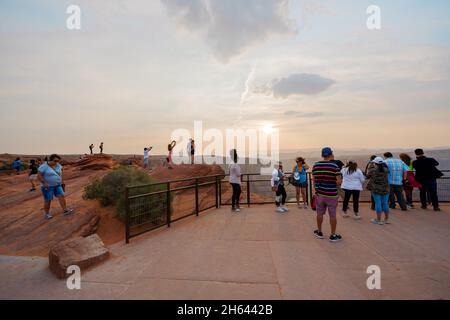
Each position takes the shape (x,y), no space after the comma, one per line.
(411,178)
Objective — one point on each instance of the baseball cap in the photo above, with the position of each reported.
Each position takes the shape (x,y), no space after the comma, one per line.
(378,160)
(327,152)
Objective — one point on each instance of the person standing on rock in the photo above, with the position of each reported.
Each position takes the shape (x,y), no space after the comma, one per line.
(33,174)
(91,147)
(101,148)
(16,165)
(51,177)
(235,181)
(147,157)
(169,157)
(191,150)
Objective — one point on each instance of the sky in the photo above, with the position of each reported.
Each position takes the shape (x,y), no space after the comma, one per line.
(138,70)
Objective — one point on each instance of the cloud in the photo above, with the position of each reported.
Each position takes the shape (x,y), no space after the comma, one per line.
(229,27)
(295,84)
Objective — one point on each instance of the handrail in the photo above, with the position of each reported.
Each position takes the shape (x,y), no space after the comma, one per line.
(147,210)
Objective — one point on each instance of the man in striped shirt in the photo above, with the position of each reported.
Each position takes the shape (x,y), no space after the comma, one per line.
(326,177)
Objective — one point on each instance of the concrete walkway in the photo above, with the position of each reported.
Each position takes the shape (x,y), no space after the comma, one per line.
(258,254)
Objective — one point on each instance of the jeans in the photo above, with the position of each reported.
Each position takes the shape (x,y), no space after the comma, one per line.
(396,191)
(347,196)
(381,202)
(281,192)
(236,194)
(409,195)
(431,188)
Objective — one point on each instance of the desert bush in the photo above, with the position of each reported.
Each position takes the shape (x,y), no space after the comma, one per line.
(110,189)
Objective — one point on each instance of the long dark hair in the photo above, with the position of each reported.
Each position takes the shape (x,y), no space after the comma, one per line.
(234,156)
(405,158)
(352,166)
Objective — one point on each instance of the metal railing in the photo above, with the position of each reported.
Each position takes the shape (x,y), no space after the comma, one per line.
(155,205)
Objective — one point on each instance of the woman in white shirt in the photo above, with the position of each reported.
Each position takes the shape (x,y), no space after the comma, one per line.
(235,181)
(352,184)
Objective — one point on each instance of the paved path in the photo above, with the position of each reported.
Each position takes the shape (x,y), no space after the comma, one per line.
(258,254)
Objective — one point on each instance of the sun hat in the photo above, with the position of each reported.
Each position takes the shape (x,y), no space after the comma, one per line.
(378,160)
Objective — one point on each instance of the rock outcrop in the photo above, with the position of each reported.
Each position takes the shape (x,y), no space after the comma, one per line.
(82,252)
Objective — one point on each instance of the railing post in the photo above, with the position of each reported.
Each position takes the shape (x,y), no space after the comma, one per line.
(196,196)
(220,192)
(217,192)
(310,186)
(248,190)
(127,215)
(168,204)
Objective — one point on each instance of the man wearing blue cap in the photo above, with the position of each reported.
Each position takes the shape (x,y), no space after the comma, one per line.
(325,178)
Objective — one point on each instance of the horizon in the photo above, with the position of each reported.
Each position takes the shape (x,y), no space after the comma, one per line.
(133,73)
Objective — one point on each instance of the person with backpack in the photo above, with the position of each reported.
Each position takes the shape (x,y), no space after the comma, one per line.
(352,185)
(426,174)
(379,186)
(300,181)
(51,176)
(277,183)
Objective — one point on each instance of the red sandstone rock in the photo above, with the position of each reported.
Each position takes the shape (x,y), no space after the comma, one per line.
(82,252)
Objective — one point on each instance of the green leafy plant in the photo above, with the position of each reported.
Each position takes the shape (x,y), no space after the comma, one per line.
(110,190)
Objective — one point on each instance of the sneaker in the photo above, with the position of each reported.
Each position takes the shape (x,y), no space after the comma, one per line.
(280,210)
(423,207)
(357,216)
(285,209)
(318,234)
(345,214)
(68,211)
(386,222)
(237,210)
(305,206)
(335,238)
(437,209)
(409,207)
(32,189)
(48,216)
(375,221)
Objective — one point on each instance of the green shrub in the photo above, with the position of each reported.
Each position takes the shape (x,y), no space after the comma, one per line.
(110,189)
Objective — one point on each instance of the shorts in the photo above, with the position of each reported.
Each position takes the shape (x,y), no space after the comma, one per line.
(324,203)
(32,177)
(146,161)
(300,184)
(49,192)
